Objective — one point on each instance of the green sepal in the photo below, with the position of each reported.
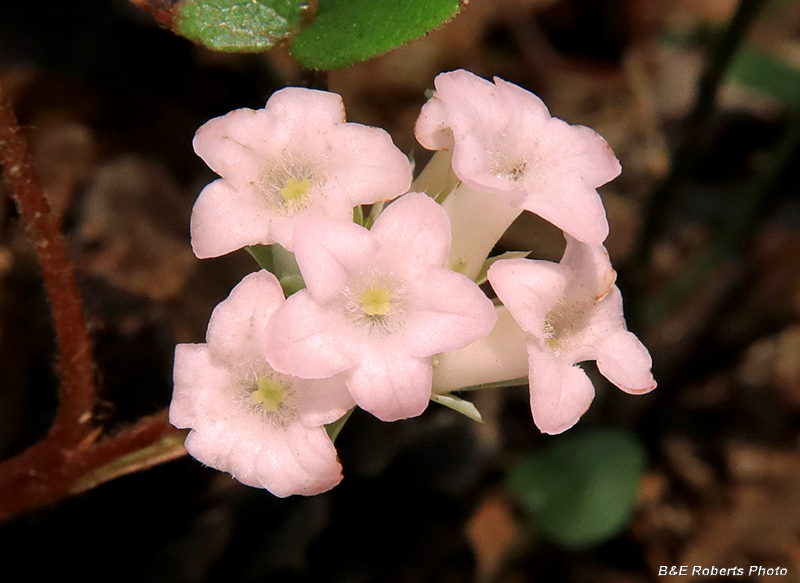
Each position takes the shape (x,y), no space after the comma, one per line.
(333,429)
(263,256)
(456,404)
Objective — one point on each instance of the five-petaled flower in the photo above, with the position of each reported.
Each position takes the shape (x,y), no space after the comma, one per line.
(295,157)
(572,312)
(378,305)
(504,141)
(265,428)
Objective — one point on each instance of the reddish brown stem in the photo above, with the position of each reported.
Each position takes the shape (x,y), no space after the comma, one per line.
(46,474)
(77,390)
(70,459)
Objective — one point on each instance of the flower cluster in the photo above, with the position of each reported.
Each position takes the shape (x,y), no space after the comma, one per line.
(387,313)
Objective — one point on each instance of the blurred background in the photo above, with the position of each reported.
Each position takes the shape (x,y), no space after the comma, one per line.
(705,235)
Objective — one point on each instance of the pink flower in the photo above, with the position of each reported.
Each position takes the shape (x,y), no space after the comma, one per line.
(297,156)
(263,427)
(504,141)
(572,312)
(378,305)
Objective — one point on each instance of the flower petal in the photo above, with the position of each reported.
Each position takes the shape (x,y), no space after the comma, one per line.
(304,339)
(592,276)
(529,289)
(234,145)
(311,109)
(432,128)
(625,361)
(294,460)
(328,251)
(225,219)
(560,393)
(450,312)
(415,232)
(391,385)
(236,329)
(569,205)
(303,462)
(367,164)
(196,379)
(323,401)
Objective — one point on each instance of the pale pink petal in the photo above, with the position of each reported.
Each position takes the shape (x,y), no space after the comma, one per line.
(233,145)
(529,289)
(236,329)
(583,151)
(224,219)
(367,164)
(529,112)
(329,251)
(196,379)
(560,393)
(313,110)
(450,312)
(304,339)
(432,128)
(472,104)
(303,462)
(500,356)
(625,361)
(294,460)
(323,401)
(391,385)
(415,231)
(571,206)
(592,276)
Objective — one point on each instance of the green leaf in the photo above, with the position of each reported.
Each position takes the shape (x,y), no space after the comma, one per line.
(464,407)
(581,489)
(348,31)
(768,74)
(239,25)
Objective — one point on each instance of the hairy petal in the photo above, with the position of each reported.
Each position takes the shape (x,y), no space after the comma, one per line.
(323,401)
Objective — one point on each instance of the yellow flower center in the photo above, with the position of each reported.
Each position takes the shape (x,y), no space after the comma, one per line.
(376,301)
(269,394)
(295,191)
